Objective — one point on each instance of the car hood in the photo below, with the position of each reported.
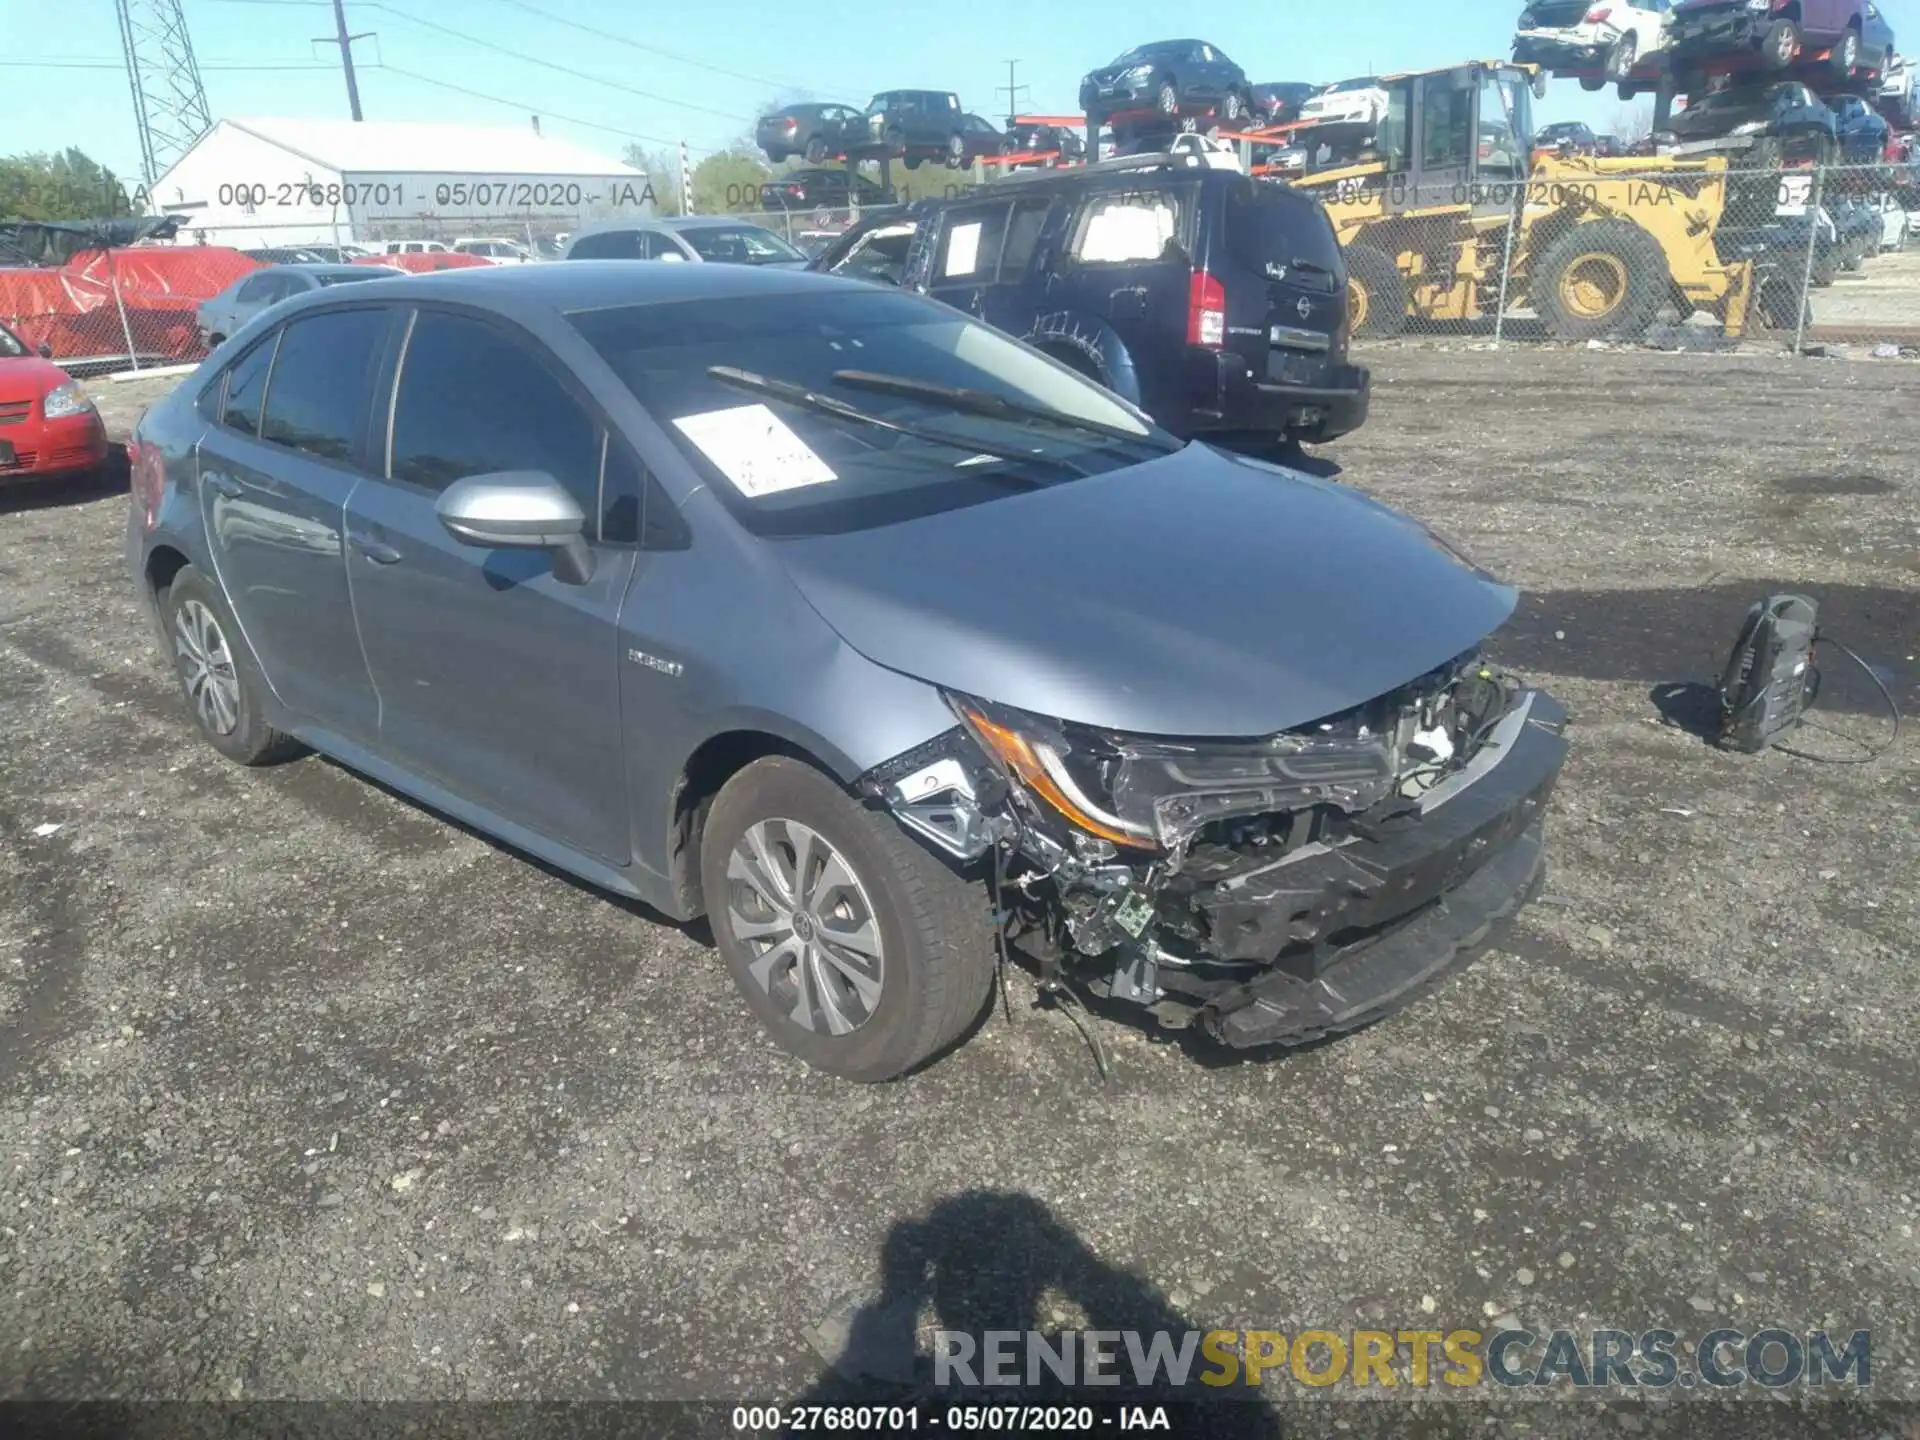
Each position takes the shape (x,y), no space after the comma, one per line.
(1194,595)
(28,377)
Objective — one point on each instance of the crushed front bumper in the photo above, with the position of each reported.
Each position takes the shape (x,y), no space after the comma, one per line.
(1344,935)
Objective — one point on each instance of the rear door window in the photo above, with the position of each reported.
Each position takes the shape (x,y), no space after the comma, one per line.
(318,400)
(247,387)
(609,245)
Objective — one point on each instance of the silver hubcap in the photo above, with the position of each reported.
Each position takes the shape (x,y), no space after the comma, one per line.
(206,665)
(808,925)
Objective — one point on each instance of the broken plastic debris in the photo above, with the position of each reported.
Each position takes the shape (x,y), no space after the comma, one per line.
(41,832)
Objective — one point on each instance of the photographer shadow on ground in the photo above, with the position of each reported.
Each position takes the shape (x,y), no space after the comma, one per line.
(983,1261)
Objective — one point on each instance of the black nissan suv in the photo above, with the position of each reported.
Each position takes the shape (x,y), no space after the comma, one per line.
(1215,302)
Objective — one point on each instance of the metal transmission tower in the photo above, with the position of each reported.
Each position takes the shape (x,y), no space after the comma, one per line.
(169,102)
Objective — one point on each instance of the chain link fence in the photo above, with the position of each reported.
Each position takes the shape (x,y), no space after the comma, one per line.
(1678,256)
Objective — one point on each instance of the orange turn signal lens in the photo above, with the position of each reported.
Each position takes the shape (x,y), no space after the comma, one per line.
(1051,783)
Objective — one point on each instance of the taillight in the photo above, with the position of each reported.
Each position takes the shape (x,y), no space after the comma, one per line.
(148,474)
(1598,13)
(1206,311)
(791,126)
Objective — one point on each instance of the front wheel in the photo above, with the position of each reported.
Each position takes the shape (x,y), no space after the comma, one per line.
(223,689)
(956,152)
(1167,98)
(1603,278)
(1230,109)
(861,952)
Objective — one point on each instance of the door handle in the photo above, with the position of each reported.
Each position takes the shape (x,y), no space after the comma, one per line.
(224,485)
(373,549)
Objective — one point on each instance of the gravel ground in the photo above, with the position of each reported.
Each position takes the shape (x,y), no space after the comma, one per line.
(308,1093)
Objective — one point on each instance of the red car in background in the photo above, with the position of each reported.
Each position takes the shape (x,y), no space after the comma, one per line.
(48,426)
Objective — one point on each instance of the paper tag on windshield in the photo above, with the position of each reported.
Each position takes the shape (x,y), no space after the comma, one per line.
(963,249)
(755,450)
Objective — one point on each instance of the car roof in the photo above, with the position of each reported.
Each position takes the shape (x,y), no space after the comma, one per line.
(306,268)
(531,291)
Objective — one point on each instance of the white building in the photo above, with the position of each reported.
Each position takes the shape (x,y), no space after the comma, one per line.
(266,182)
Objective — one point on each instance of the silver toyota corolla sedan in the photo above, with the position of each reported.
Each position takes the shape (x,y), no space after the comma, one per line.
(867,632)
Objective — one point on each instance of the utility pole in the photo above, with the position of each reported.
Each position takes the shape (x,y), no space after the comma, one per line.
(345,41)
(1012,92)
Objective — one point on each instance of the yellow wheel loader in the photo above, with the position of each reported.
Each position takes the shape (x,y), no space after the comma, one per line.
(1446,215)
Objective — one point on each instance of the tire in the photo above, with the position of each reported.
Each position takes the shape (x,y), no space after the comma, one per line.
(223,695)
(1765,154)
(1777,311)
(816,150)
(1602,279)
(776,157)
(1624,55)
(956,152)
(1592,83)
(1780,45)
(912,162)
(1376,293)
(933,927)
(1845,56)
(1167,98)
(215,341)
(1231,109)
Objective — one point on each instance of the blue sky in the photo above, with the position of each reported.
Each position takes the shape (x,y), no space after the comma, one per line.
(723,60)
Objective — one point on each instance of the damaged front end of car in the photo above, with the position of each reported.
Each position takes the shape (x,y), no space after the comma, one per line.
(1269,890)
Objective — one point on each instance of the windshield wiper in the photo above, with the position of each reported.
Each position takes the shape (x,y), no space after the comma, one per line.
(807,399)
(985,402)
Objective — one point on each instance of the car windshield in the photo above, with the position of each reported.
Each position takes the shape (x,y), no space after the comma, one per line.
(739,244)
(1365,82)
(1729,102)
(1142,54)
(786,469)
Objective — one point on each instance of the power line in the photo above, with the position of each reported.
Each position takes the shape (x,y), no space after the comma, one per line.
(568,70)
(674,55)
(70,63)
(521,105)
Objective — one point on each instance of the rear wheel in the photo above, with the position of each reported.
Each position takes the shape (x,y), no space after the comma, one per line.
(223,688)
(1376,293)
(1167,98)
(1231,109)
(956,151)
(816,150)
(1593,82)
(1604,278)
(1780,45)
(861,953)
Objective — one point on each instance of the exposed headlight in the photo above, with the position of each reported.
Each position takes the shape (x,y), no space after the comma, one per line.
(1138,72)
(64,401)
(1147,794)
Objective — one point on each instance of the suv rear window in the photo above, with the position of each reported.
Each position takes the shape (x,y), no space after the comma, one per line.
(1270,225)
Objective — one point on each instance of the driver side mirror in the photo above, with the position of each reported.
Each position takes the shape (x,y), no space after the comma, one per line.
(44,350)
(519,510)
(1539,84)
